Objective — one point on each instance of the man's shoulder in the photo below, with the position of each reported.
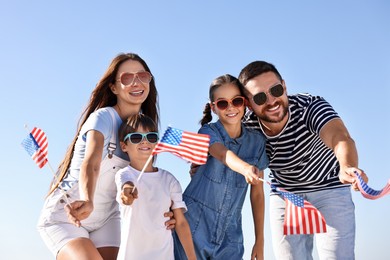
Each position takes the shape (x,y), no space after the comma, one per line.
(303,100)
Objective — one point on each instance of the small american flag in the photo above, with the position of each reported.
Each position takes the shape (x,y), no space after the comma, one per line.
(300,217)
(188,146)
(36,146)
(370,193)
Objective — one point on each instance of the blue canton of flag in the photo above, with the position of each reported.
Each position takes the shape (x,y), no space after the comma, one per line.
(36,146)
(172,136)
(295,199)
(370,193)
(30,145)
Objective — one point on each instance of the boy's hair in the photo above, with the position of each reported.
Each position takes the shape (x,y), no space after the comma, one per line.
(134,122)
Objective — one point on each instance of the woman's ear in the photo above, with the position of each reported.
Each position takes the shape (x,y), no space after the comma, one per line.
(113,88)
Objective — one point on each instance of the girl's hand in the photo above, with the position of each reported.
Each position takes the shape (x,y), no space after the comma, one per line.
(251,174)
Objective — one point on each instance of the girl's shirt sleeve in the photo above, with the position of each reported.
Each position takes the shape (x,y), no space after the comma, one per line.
(214,137)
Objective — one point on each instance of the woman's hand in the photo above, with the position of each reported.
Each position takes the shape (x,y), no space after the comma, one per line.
(171,223)
(78,210)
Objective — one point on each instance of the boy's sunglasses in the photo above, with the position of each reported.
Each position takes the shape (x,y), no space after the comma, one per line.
(136,138)
(261,97)
(224,103)
(127,78)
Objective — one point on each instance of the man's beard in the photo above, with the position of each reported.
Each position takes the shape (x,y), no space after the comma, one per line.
(267,119)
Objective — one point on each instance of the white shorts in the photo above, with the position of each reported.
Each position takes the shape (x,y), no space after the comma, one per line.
(57,235)
(102,227)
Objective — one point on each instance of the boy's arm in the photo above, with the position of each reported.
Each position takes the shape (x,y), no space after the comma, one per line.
(184,233)
(257,202)
(230,159)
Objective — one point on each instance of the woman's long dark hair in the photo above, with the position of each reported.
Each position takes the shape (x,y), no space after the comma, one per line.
(102,96)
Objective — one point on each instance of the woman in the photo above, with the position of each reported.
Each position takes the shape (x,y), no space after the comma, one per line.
(80,218)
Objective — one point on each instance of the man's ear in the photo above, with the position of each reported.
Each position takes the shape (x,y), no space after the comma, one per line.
(284,86)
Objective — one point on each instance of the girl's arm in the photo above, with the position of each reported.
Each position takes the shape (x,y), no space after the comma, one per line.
(89,173)
(184,233)
(257,202)
(230,159)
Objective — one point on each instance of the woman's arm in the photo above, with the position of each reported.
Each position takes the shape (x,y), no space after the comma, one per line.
(89,173)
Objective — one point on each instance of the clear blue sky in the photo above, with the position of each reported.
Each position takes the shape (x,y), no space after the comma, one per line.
(53,53)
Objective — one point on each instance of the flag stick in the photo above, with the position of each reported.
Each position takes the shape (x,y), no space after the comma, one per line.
(53,172)
(143,170)
(260,179)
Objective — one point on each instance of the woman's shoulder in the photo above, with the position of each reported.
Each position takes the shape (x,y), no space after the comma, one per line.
(100,120)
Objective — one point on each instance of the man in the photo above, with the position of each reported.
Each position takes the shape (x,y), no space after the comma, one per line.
(311,153)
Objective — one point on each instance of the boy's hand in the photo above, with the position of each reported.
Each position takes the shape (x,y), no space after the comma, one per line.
(128,195)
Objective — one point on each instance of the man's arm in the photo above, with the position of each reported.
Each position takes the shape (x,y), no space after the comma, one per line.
(336,136)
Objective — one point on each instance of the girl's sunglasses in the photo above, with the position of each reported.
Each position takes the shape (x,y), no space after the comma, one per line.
(127,78)
(261,97)
(224,103)
(136,138)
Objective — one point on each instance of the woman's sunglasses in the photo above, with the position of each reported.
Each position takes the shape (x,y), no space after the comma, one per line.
(136,138)
(224,103)
(127,78)
(261,97)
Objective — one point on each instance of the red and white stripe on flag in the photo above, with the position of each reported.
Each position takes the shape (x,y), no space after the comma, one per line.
(188,146)
(303,220)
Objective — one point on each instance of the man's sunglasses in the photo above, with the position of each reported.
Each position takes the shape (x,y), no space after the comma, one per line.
(261,97)
(127,78)
(224,103)
(136,138)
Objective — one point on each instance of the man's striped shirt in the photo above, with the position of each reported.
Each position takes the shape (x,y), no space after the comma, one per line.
(299,160)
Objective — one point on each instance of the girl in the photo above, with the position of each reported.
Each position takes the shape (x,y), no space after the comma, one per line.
(143,233)
(216,193)
(89,227)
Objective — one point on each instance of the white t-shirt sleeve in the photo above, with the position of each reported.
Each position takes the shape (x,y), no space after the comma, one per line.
(177,195)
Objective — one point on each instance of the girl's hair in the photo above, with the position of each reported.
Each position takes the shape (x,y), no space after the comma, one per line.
(102,96)
(221,80)
(134,122)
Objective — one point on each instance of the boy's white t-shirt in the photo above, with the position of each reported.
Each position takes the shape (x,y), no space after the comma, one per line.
(143,232)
